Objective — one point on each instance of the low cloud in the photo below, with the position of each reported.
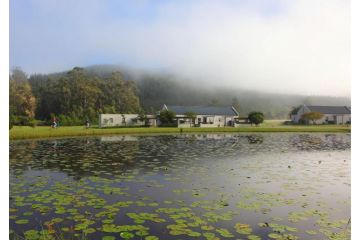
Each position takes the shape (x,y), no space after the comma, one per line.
(278,46)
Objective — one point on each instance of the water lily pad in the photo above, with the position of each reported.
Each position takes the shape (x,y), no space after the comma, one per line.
(151,238)
(108,238)
(22,221)
(32,234)
(224,232)
(243,228)
(127,235)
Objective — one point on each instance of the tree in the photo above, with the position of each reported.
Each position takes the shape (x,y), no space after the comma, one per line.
(192,116)
(143,118)
(77,95)
(313,116)
(21,100)
(167,117)
(256,118)
(294,111)
(119,93)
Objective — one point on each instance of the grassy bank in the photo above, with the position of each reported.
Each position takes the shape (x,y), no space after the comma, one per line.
(23,132)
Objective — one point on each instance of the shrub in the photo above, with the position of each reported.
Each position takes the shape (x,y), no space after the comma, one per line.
(167,117)
(256,118)
(313,116)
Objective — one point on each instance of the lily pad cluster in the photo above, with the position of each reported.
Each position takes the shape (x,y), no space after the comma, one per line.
(201,186)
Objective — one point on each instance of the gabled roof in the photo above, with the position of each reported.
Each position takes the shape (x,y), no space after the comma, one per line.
(202,110)
(330,109)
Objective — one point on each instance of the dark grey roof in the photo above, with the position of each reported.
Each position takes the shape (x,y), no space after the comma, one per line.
(330,109)
(226,111)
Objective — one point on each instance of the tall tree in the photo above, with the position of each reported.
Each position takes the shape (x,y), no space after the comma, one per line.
(120,94)
(22,101)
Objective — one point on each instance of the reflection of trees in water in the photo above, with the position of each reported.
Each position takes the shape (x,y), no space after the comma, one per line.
(185,147)
(322,142)
(89,156)
(76,157)
(255,139)
(20,158)
(109,156)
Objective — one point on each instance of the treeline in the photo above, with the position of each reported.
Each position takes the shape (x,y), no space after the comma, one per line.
(71,97)
(83,93)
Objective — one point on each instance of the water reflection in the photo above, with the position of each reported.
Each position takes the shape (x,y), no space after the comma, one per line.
(220,184)
(124,138)
(87,156)
(320,142)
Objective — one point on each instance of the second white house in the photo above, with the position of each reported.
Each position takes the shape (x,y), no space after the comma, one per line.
(331,114)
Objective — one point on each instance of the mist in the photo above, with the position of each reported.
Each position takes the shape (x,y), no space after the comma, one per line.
(294,47)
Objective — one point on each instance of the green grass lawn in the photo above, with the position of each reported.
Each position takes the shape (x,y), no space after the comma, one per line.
(24,132)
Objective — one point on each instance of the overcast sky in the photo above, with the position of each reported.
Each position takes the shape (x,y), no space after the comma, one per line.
(289,46)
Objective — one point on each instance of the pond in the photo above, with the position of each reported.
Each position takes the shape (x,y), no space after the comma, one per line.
(189,186)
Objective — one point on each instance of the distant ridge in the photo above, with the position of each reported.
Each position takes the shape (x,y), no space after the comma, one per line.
(156,88)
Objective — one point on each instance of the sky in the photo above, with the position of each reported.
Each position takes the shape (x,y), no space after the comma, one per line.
(283,46)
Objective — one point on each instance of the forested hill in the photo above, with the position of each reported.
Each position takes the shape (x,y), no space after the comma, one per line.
(86,92)
(155,89)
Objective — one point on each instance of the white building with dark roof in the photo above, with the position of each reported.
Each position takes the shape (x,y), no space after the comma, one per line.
(331,114)
(205,116)
(125,120)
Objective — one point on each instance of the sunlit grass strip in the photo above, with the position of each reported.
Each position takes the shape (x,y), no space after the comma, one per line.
(47,132)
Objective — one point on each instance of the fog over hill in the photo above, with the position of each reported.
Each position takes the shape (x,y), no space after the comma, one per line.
(158,88)
(280,46)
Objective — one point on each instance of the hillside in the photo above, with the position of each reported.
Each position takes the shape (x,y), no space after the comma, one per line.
(156,89)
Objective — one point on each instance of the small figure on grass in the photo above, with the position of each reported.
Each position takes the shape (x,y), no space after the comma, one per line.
(54,122)
(87,123)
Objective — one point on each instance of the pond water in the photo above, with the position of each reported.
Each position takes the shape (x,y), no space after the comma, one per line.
(190,186)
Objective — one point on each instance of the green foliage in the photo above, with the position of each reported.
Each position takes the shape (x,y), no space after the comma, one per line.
(102,89)
(294,110)
(256,118)
(75,96)
(11,116)
(20,120)
(70,120)
(167,117)
(312,116)
(33,123)
(191,115)
(143,118)
(21,100)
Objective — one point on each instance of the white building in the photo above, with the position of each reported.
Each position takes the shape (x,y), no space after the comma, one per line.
(123,120)
(331,114)
(206,116)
